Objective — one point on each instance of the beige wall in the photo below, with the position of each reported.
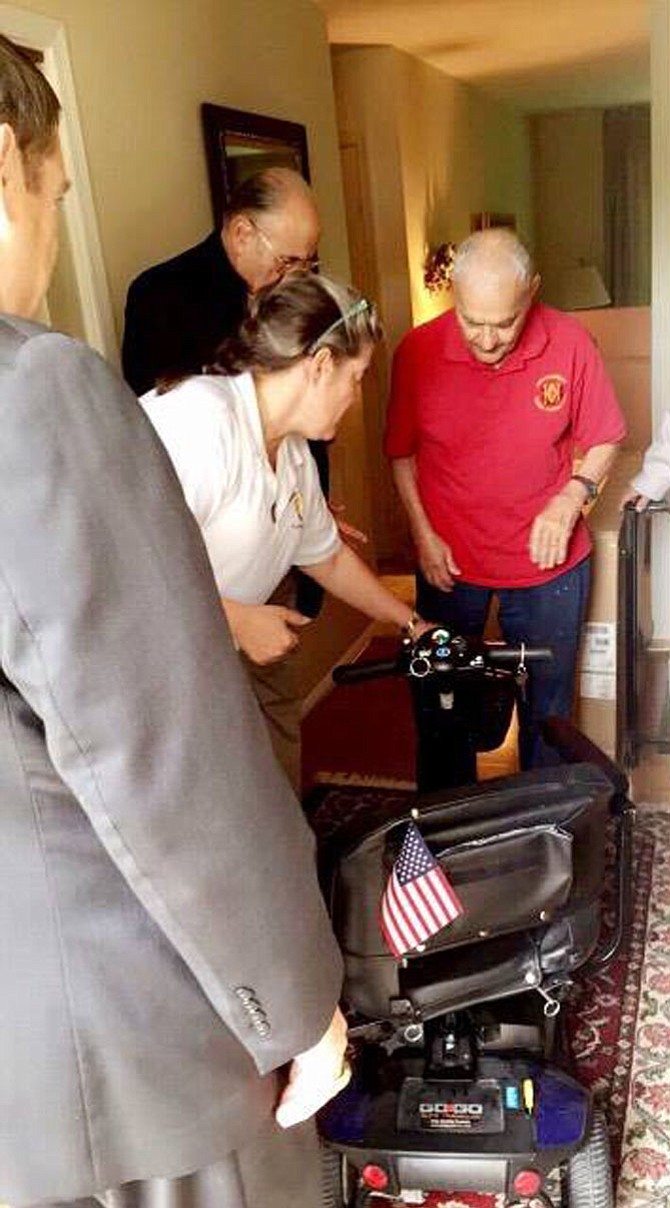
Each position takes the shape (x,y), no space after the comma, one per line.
(436,151)
(421,153)
(366,93)
(141,70)
(461,153)
(568,194)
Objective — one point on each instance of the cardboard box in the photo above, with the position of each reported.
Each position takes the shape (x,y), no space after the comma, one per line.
(596,679)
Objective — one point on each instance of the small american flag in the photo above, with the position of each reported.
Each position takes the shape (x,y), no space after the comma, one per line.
(418,900)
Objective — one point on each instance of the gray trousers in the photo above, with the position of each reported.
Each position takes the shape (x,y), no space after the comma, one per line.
(280,1170)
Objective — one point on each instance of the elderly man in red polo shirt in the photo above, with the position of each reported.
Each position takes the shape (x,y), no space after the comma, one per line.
(489,404)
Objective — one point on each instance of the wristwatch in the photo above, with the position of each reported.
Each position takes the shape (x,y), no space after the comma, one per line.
(590,486)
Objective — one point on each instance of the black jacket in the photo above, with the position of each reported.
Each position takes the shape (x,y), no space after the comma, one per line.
(176,315)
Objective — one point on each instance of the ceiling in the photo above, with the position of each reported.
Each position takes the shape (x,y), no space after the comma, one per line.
(536,54)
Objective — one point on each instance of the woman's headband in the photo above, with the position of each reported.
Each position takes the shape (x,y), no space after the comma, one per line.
(357,308)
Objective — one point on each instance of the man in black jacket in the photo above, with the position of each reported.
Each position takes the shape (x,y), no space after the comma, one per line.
(178,312)
(176,315)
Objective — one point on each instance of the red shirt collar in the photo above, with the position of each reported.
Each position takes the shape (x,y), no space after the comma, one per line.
(532,343)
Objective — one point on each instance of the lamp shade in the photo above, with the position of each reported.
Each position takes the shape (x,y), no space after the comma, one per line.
(582,288)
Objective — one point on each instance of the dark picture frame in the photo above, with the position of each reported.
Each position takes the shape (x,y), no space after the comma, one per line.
(486,219)
(238,143)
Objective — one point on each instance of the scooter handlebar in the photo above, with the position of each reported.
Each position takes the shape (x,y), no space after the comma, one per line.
(654,505)
(518,654)
(408,658)
(356,673)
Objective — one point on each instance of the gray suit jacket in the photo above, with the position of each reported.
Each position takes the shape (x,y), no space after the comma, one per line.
(163,945)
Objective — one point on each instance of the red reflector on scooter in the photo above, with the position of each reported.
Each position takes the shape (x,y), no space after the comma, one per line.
(527,1183)
(375,1177)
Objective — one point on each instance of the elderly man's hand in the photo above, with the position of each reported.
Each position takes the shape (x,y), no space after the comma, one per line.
(316,1075)
(551,531)
(436,561)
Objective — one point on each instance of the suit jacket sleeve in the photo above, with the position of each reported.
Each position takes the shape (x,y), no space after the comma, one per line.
(150,340)
(158,333)
(168,327)
(138,357)
(111,629)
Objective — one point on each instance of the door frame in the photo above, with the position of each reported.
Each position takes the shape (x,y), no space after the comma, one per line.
(48,36)
(660,287)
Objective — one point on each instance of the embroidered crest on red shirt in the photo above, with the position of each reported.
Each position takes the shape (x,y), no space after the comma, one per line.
(551,392)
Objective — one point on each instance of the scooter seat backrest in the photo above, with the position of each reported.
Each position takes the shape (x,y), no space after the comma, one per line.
(521,853)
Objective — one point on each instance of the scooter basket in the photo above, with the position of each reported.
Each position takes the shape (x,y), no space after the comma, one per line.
(486,698)
(526,856)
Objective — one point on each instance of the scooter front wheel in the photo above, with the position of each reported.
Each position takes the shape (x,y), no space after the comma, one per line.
(338,1182)
(589,1171)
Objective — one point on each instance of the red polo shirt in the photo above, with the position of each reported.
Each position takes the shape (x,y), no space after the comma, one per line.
(492,445)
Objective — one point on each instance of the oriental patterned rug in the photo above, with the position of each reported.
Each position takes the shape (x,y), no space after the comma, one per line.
(617,1020)
(644,1180)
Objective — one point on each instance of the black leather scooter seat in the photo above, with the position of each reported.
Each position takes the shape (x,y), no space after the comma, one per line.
(526,855)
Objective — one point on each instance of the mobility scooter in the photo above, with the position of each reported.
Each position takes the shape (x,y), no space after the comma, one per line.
(461,1079)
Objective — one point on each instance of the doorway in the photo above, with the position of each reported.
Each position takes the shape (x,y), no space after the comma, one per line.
(79,300)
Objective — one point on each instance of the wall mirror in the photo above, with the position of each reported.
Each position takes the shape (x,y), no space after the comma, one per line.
(238,144)
(596,250)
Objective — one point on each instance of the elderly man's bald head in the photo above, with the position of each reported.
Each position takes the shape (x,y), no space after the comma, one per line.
(271,226)
(268,191)
(494,284)
(497,251)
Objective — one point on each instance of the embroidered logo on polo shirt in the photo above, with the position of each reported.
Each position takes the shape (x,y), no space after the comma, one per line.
(298,509)
(551,392)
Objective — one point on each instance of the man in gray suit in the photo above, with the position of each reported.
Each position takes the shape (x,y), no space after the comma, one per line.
(163,944)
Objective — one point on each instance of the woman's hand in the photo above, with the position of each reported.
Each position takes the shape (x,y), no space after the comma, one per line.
(348,532)
(265,632)
(316,1075)
(419,627)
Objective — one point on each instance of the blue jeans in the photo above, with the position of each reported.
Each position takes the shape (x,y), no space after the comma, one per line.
(550,614)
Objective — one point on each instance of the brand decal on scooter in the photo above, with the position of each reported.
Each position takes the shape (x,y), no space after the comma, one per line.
(450,1115)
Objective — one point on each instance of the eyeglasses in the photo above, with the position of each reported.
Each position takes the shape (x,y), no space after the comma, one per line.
(286,264)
